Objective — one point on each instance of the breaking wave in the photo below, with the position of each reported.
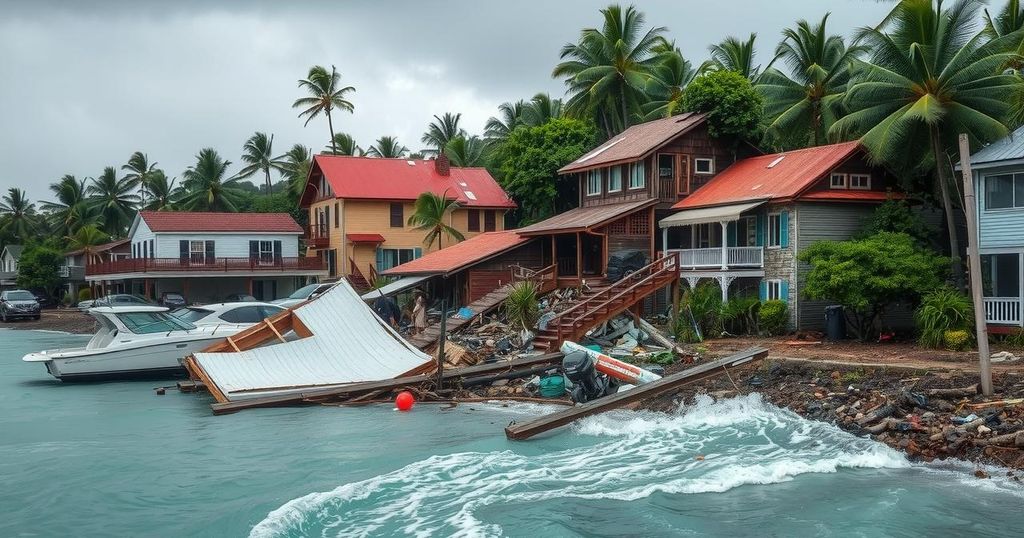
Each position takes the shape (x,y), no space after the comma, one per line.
(704,448)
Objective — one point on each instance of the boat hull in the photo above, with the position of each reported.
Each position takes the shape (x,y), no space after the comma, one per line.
(151,361)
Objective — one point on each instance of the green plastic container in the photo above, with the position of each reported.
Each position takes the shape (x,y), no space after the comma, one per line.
(593,347)
(552,386)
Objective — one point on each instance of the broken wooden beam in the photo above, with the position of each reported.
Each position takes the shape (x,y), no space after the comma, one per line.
(668,383)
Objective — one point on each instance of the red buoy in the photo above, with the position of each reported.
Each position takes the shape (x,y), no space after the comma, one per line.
(404,401)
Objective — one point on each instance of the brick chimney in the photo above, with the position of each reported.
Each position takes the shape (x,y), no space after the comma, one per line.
(442,164)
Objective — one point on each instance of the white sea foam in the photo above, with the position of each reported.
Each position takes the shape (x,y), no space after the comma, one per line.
(707,447)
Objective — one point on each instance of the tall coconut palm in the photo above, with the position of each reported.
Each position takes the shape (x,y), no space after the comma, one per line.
(430,214)
(930,78)
(802,107)
(258,154)
(510,116)
(114,199)
(387,147)
(1006,21)
(161,193)
(17,216)
(207,186)
(325,95)
(441,131)
(668,79)
(71,209)
(344,144)
(139,170)
(467,151)
(540,110)
(87,238)
(297,162)
(606,71)
(734,55)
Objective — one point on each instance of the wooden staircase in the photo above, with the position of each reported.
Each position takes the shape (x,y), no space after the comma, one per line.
(602,304)
(355,277)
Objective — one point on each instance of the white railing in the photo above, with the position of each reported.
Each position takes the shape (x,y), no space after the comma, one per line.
(700,257)
(746,256)
(711,258)
(1003,310)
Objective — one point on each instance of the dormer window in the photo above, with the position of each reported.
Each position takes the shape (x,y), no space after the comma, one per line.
(860,181)
(838,181)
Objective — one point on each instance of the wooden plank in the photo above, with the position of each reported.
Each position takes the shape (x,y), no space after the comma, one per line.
(274,330)
(642,392)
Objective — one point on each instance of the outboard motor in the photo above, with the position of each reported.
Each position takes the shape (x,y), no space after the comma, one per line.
(586,383)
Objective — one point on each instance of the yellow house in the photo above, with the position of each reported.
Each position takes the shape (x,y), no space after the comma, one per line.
(359,208)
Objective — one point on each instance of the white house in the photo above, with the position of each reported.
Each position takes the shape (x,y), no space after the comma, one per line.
(9,265)
(207,256)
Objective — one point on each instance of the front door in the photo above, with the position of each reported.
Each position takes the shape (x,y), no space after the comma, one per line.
(593,254)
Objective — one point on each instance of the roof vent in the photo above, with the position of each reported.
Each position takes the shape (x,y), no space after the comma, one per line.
(411,163)
(776,161)
(470,195)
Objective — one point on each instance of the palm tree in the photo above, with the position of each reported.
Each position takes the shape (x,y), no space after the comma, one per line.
(430,214)
(510,116)
(668,80)
(86,239)
(17,215)
(297,162)
(325,95)
(1008,20)
(467,151)
(607,69)
(114,199)
(387,147)
(161,193)
(734,55)
(71,210)
(441,131)
(344,144)
(540,110)
(206,186)
(258,154)
(139,170)
(802,107)
(930,77)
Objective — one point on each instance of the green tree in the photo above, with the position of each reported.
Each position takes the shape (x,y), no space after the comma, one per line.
(510,116)
(297,162)
(441,131)
(140,170)
(898,217)
(39,267)
(1007,21)
(430,214)
(344,144)
(540,110)
(87,238)
(529,160)
(930,78)
(801,107)
(114,199)
(607,70)
(258,155)
(161,192)
(387,147)
(669,78)
(733,107)
(71,209)
(467,151)
(867,275)
(207,185)
(325,95)
(17,216)
(734,55)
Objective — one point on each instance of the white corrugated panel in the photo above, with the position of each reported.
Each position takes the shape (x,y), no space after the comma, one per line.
(397,286)
(707,214)
(350,344)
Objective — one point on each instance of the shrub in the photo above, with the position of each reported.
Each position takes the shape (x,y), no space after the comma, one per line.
(84,294)
(521,307)
(957,340)
(739,315)
(704,304)
(66,298)
(774,315)
(942,311)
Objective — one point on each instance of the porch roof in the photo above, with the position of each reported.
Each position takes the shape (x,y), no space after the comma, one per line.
(392,288)
(582,219)
(708,214)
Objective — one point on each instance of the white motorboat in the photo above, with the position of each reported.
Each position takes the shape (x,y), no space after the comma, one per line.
(132,342)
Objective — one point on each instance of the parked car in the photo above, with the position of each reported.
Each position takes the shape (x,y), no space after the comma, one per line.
(240,298)
(303,294)
(18,304)
(240,313)
(172,300)
(45,299)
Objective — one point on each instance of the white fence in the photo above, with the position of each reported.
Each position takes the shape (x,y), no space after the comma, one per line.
(711,258)
(1003,310)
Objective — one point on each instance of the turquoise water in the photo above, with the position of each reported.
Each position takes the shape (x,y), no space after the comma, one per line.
(114,459)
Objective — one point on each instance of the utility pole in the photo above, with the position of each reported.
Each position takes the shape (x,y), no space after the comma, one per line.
(974,257)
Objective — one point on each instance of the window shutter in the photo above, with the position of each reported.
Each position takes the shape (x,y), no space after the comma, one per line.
(211,254)
(760,229)
(254,250)
(277,252)
(380,259)
(152,248)
(731,233)
(183,250)
(763,293)
(784,232)
(784,290)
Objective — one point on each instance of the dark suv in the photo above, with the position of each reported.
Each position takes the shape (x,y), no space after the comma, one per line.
(18,304)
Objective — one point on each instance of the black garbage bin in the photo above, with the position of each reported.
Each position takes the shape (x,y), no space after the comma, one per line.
(835,323)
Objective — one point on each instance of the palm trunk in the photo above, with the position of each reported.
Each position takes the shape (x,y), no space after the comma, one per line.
(947,204)
(267,172)
(330,125)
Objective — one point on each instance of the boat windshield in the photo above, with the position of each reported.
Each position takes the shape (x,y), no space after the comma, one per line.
(191,314)
(304,291)
(152,322)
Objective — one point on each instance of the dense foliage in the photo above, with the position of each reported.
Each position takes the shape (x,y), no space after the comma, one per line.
(700,311)
(521,307)
(734,109)
(943,311)
(773,317)
(898,217)
(38,267)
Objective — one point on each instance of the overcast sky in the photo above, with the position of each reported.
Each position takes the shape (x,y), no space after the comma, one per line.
(84,84)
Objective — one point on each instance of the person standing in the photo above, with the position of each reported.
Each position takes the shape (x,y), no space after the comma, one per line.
(419,314)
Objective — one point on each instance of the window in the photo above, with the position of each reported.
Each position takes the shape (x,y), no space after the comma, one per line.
(490,222)
(746,232)
(391,257)
(197,251)
(774,290)
(703,166)
(153,322)
(265,252)
(1004,191)
(473,216)
(337,216)
(397,215)
(860,181)
(615,179)
(774,230)
(637,175)
(666,166)
(838,181)
(593,183)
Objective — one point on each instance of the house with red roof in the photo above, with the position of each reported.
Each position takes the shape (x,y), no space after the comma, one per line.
(745,227)
(206,256)
(359,208)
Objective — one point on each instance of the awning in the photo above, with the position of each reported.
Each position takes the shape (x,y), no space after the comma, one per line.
(365,238)
(701,215)
(397,286)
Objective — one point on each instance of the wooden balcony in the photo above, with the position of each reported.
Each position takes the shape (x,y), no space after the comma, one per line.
(317,236)
(226,265)
(1004,310)
(711,258)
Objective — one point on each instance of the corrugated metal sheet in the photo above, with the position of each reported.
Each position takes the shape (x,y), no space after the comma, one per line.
(349,344)
(459,255)
(584,218)
(635,142)
(1009,148)
(397,286)
(209,221)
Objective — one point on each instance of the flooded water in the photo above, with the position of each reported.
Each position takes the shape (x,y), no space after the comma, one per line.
(114,459)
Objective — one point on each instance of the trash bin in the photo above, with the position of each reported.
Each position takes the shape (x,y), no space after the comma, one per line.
(835,323)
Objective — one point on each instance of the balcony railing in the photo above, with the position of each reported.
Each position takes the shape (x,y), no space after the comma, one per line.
(711,258)
(1003,310)
(71,272)
(8,275)
(317,236)
(176,265)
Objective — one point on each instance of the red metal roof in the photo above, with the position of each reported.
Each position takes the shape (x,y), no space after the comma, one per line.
(768,177)
(396,179)
(197,221)
(635,142)
(471,251)
(365,238)
(852,196)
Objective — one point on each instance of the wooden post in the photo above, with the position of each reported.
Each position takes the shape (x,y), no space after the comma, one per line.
(250,285)
(579,256)
(441,339)
(554,255)
(974,257)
